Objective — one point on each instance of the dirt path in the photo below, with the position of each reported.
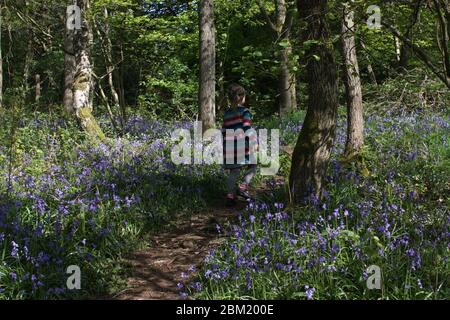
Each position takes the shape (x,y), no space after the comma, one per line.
(157,269)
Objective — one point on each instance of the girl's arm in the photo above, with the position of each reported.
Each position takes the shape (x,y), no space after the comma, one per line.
(247,124)
(247,120)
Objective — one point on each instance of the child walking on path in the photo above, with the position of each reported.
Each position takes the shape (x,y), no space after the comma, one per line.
(240,142)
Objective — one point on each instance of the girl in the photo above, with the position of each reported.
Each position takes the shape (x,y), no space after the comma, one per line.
(239,144)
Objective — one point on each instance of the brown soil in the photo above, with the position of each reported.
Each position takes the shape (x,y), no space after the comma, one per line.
(157,269)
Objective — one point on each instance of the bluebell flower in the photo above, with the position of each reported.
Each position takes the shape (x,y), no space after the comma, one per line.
(196,286)
(192,269)
(309,292)
(15,250)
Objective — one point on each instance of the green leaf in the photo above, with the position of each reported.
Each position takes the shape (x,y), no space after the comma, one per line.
(284,44)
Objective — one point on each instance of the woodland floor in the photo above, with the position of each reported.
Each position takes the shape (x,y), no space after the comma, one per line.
(156,270)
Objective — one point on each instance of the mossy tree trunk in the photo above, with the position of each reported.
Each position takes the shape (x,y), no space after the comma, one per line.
(312,151)
(82,84)
(352,81)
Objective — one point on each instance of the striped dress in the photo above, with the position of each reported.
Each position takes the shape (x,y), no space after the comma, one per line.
(239,138)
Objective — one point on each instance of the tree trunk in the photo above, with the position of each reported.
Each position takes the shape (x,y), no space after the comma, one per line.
(108,107)
(207,88)
(37,96)
(372,76)
(82,85)
(28,57)
(26,68)
(355,119)
(287,80)
(121,86)
(404,57)
(293,91)
(405,51)
(69,64)
(285,83)
(107,50)
(312,152)
(110,69)
(282,28)
(443,31)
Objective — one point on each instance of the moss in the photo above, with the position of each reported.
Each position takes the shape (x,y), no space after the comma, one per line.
(89,123)
(355,161)
(81,83)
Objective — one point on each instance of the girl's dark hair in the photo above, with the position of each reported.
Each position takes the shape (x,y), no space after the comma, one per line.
(235,93)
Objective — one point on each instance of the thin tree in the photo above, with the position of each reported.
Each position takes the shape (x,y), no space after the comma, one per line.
(405,52)
(107,49)
(110,68)
(28,56)
(282,28)
(207,83)
(372,76)
(106,45)
(312,151)
(37,95)
(69,59)
(352,81)
(441,8)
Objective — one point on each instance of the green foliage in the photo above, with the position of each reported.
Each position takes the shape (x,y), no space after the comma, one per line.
(166,92)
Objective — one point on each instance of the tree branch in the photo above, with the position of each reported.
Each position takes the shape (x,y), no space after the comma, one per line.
(419,53)
(266,15)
